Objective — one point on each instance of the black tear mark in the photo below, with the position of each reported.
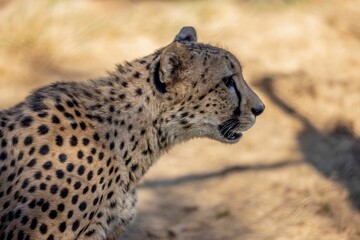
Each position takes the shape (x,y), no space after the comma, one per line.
(160,86)
(237,111)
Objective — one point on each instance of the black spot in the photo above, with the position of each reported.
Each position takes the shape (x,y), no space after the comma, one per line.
(117,178)
(62,157)
(80,154)
(139,91)
(43,129)
(61,207)
(32,189)
(21,155)
(93,151)
(89,159)
(11,127)
(43,228)
(109,160)
(137,74)
(64,192)
(81,170)
(62,227)
(3,156)
(73,141)
(122,96)
(45,206)
(101,155)
(82,206)
(32,204)
(96,137)
(74,199)
(53,214)
(24,220)
(43,186)
(82,125)
(85,141)
(77,113)
(28,140)
(70,214)
(44,149)
(70,167)
(15,140)
(69,103)
(26,121)
(127,162)
(60,107)
(86,189)
(59,140)
(33,223)
(17,214)
(77,185)
(90,175)
(47,165)
(74,125)
(31,151)
(25,183)
(38,175)
(185,114)
(55,119)
(124,84)
(54,189)
(75,225)
(202,97)
(69,116)
(122,144)
(50,237)
(3,143)
(59,174)
(110,194)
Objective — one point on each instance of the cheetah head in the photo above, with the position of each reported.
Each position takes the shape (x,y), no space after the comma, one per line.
(202,91)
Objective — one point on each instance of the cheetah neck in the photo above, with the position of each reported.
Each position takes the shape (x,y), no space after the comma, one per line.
(128,116)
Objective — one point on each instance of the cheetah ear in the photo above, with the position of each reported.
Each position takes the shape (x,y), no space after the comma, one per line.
(173,60)
(186,34)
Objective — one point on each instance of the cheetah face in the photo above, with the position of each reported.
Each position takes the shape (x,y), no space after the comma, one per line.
(205,94)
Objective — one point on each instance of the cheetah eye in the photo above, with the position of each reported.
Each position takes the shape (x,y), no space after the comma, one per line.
(228,81)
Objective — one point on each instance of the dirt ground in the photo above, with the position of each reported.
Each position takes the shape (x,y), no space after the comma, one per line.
(294,175)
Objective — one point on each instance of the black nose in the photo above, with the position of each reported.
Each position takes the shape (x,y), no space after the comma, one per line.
(258,110)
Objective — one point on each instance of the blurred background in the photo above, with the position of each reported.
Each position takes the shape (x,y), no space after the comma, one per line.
(294,175)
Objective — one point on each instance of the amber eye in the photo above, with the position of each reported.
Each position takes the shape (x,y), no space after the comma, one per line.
(228,81)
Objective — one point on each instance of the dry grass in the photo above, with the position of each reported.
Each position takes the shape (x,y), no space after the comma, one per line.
(295,175)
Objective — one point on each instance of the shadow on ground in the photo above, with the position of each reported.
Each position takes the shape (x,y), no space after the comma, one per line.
(334,153)
(221,173)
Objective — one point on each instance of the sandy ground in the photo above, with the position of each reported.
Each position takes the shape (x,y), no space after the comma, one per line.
(294,175)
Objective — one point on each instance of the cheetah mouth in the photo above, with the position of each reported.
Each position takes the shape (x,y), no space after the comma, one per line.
(229,130)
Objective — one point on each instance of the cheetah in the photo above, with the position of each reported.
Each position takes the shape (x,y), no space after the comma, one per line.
(72,153)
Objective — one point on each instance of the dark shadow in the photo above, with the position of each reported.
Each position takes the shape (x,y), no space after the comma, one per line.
(334,153)
(221,173)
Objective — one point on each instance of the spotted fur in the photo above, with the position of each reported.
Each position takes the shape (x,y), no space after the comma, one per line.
(72,152)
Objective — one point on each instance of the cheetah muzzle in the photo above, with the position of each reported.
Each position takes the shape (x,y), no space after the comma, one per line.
(72,153)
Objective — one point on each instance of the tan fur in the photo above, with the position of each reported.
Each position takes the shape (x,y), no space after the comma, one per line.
(72,153)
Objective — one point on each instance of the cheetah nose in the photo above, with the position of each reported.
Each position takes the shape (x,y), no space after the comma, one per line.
(258,109)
